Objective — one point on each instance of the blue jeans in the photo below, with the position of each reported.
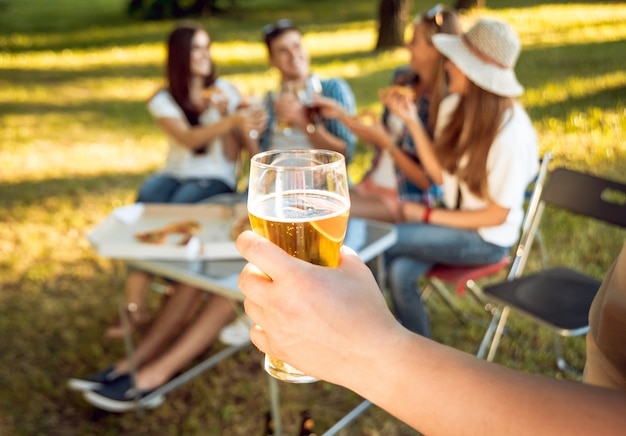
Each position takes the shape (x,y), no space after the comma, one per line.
(161,188)
(418,249)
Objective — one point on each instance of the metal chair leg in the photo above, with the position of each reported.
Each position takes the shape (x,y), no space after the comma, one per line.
(476,292)
(499,331)
(275,406)
(491,328)
(447,298)
(561,363)
(351,416)
(493,335)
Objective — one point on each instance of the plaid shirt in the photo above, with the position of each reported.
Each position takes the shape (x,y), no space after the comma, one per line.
(408,190)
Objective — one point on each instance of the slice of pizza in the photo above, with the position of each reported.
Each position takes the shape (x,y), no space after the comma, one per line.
(185,227)
(152,236)
(397,90)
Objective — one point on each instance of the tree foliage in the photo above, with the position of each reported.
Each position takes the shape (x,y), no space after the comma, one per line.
(469,4)
(162,9)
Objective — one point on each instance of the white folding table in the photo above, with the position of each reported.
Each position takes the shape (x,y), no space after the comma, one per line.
(370,239)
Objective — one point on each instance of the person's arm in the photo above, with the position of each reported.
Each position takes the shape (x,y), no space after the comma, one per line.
(289,109)
(413,170)
(365,126)
(492,215)
(309,318)
(196,136)
(255,120)
(406,110)
(332,134)
(376,134)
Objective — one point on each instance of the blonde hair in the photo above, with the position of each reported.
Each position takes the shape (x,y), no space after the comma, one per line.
(469,135)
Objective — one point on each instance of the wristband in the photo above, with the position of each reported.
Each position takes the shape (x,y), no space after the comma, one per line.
(426,218)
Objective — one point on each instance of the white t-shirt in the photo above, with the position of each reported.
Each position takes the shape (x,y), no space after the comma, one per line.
(512,164)
(181,162)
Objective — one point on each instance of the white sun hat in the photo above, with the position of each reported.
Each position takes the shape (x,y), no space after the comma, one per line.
(486,54)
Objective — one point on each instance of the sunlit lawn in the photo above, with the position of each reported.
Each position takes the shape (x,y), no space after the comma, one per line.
(76,141)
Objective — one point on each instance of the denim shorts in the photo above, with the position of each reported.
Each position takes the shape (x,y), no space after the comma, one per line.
(167,189)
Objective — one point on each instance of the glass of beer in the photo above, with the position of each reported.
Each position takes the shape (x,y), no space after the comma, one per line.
(299,200)
(313,89)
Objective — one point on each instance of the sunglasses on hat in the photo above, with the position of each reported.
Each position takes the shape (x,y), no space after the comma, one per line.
(436,14)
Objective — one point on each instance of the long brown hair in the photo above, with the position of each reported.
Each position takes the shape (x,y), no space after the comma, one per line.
(178,68)
(442,21)
(472,129)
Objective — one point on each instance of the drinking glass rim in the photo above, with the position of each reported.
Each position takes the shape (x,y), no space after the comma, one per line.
(339,158)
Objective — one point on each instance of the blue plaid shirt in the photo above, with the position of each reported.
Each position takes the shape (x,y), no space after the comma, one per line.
(406,188)
(337,89)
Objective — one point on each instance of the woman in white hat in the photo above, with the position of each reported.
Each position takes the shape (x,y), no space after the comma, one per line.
(483,156)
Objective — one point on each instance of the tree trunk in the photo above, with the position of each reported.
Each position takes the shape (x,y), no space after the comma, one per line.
(469,4)
(392,18)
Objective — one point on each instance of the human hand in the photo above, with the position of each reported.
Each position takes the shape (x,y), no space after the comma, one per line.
(330,108)
(413,211)
(253,121)
(216,98)
(400,104)
(321,320)
(368,128)
(290,110)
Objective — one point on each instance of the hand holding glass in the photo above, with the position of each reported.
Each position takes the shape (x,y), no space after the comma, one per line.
(299,200)
(313,89)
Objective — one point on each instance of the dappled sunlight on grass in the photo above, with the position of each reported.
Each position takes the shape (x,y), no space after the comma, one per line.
(84,59)
(85,90)
(368,64)
(342,41)
(45,158)
(76,141)
(574,87)
(563,24)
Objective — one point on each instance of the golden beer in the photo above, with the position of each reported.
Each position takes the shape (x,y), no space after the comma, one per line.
(309,225)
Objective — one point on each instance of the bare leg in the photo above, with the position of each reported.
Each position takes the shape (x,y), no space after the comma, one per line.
(170,322)
(198,336)
(137,284)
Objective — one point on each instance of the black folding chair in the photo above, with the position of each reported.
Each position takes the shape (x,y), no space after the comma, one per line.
(558,297)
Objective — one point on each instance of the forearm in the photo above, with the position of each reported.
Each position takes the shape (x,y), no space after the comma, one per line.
(464,219)
(410,168)
(439,390)
(245,142)
(425,151)
(196,136)
(323,139)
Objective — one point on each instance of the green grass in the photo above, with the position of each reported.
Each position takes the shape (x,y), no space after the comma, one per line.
(76,141)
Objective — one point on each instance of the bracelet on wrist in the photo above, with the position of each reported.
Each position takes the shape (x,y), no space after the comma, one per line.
(427,213)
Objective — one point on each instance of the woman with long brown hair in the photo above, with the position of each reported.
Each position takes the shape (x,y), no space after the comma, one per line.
(199,114)
(206,130)
(483,156)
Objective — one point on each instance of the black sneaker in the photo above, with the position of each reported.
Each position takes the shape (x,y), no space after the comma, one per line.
(96,381)
(121,396)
